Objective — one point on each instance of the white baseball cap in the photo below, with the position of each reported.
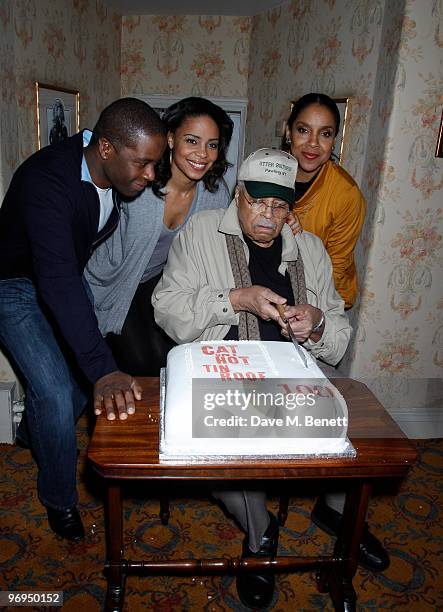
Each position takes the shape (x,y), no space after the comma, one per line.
(269,173)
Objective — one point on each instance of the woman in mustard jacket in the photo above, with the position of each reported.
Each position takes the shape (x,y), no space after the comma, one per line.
(329,202)
(330,205)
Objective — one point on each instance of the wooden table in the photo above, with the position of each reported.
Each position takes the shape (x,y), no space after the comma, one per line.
(128,450)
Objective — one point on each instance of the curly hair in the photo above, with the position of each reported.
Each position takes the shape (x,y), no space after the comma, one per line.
(173,118)
(304,102)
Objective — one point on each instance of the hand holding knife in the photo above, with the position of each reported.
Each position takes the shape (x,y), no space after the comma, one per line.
(281,312)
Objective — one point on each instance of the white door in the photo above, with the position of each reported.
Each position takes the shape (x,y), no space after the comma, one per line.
(233,152)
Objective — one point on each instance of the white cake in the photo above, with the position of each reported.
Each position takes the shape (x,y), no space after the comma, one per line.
(237,363)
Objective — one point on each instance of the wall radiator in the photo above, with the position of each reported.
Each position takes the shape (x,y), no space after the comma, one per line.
(11,410)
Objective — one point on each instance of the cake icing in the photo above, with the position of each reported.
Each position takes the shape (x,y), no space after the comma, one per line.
(236,361)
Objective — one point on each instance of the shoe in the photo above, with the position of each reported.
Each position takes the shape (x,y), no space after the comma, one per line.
(372,555)
(256,590)
(21,442)
(22,434)
(66,523)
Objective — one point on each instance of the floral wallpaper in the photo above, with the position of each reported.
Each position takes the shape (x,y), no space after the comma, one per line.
(303,46)
(8,114)
(187,55)
(399,345)
(70,43)
(387,56)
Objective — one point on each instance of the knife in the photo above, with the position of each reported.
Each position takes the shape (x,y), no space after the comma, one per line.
(281,312)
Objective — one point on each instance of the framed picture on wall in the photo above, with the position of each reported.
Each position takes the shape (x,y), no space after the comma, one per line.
(439,147)
(344,107)
(57,113)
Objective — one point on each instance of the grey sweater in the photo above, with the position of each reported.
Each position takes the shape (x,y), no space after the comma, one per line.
(115,269)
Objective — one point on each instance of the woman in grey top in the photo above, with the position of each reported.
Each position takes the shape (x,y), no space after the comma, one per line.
(123,271)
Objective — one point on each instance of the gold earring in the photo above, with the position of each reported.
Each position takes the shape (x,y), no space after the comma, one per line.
(170,156)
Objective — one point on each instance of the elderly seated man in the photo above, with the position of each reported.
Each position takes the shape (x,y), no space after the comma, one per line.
(226,273)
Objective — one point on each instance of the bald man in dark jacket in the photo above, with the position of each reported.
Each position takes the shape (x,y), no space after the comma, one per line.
(62,202)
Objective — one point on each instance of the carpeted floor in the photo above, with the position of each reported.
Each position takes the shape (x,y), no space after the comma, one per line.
(31,557)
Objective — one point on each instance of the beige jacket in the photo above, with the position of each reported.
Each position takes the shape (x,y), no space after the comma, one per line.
(191,301)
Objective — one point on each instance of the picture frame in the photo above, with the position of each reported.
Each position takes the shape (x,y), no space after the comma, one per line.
(344,108)
(57,113)
(439,147)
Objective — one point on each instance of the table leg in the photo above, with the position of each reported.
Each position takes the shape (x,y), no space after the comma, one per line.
(116,574)
(339,580)
(164,509)
(353,523)
(283,509)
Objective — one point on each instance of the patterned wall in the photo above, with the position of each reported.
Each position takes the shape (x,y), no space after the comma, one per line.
(372,160)
(8,110)
(387,55)
(400,336)
(185,55)
(322,45)
(70,43)
(8,121)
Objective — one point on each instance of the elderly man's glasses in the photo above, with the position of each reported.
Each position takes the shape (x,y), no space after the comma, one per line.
(280,211)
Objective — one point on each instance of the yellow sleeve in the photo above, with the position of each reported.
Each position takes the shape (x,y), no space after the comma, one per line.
(349,215)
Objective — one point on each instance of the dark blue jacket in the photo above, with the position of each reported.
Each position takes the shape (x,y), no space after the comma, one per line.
(48,230)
